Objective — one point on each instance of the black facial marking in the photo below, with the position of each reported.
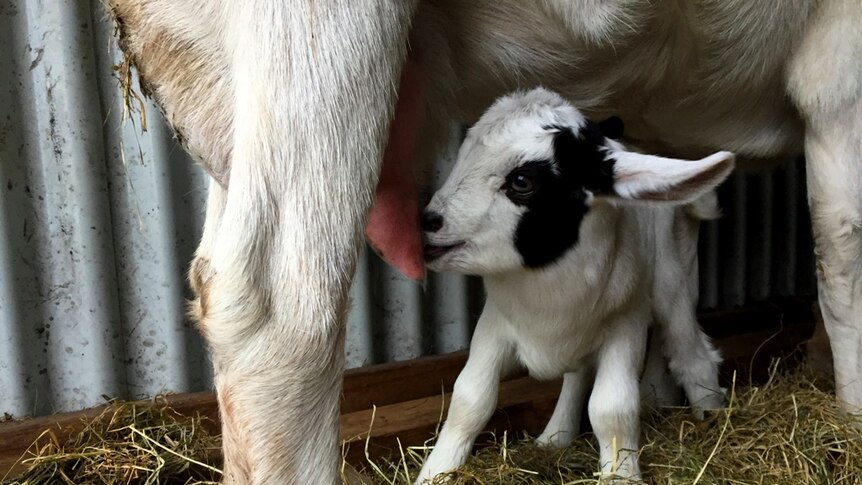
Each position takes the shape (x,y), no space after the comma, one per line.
(558,202)
(539,174)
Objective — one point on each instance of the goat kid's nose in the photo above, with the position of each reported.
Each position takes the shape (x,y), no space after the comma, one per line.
(431,221)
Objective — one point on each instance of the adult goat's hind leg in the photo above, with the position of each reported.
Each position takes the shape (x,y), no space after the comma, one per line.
(833,147)
(826,84)
(834,156)
(314,90)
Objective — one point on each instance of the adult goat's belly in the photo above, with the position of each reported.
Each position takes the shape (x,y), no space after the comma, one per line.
(690,113)
(760,123)
(684,80)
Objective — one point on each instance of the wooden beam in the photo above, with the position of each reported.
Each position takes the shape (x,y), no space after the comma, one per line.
(522,404)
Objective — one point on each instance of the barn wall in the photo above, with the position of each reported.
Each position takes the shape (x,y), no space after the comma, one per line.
(98,221)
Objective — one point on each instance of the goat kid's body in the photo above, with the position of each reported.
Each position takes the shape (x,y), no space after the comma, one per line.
(555,318)
(287,107)
(576,301)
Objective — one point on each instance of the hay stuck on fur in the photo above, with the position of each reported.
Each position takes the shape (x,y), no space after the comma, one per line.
(788,431)
(127,444)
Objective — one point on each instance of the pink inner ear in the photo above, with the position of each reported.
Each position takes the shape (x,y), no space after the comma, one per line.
(393,223)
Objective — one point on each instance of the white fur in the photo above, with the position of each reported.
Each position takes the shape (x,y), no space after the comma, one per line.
(295,98)
(587,312)
(645,177)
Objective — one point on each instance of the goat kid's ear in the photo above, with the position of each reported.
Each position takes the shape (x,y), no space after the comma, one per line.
(650,178)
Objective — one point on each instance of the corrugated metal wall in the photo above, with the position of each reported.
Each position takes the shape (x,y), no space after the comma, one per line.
(98,222)
(762,248)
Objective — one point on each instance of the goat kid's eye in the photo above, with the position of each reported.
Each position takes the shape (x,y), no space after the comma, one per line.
(521,185)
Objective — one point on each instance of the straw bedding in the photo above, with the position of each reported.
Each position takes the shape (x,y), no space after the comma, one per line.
(786,431)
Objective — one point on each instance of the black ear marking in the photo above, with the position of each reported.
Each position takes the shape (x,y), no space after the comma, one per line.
(612,127)
(582,156)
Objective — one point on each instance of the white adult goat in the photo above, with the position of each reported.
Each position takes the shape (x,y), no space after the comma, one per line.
(574,275)
(288,106)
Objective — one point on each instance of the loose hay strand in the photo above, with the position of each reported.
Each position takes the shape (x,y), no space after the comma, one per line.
(728,414)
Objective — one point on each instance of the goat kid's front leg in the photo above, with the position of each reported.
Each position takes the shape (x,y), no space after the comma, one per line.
(565,422)
(473,398)
(314,93)
(614,405)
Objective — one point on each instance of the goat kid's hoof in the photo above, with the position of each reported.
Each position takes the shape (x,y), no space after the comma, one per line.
(351,476)
(618,480)
(557,439)
(713,401)
(625,475)
(440,479)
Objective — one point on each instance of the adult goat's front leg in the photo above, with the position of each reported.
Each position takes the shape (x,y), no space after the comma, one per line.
(314,92)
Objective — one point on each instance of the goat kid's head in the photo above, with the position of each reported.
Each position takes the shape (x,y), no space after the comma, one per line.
(526,175)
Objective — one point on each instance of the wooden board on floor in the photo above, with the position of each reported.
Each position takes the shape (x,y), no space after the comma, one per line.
(410,396)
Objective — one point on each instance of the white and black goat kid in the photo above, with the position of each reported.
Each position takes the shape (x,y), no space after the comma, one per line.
(536,204)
